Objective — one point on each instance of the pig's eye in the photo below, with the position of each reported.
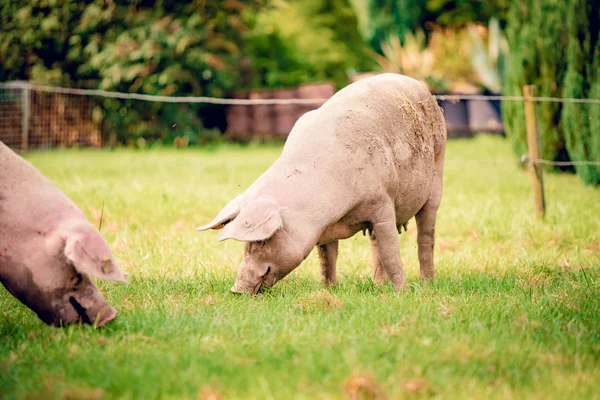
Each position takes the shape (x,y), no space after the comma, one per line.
(77,279)
(266,273)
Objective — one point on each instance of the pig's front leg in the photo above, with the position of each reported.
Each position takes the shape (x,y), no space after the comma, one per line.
(328,257)
(388,246)
(379,274)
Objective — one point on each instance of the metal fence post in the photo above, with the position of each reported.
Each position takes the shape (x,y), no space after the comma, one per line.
(25,115)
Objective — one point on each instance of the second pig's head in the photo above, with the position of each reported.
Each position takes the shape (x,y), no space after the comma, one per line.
(273,248)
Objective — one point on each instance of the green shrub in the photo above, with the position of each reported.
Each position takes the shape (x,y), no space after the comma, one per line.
(561,60)
(35,40)
(302,41)
(383,18)
(581,123)
(191,47)
(535,32)
(458,13)
(489,61)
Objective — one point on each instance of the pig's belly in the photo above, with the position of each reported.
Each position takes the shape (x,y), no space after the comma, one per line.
(405,210)
(342,230)
(411,194)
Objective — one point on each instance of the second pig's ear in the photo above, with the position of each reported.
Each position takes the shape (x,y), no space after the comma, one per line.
(225,216)
(257,222)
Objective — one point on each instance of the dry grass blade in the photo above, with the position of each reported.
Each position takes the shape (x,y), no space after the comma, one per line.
(101,217)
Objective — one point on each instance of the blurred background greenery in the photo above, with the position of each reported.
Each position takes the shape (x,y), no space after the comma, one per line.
(224,48)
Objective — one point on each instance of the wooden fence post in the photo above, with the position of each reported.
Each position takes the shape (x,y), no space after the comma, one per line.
(25,116)
(112,140)
(533,143)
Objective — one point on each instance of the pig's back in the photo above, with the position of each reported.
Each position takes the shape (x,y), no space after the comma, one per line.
(387,108)
(390,122)
(28,200)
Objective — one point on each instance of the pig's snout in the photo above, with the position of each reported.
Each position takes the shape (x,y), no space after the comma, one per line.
(238,288)
(86,305)
(76,312)
(106,316)
(245,283)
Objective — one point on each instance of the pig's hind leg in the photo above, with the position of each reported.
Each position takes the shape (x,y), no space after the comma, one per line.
(426,226)
(328,257)
(425,240)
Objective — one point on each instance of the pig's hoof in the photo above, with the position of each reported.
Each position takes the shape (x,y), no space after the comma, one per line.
(400,285)
(402,288)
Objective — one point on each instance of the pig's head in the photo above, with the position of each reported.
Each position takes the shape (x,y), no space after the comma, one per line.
(53,276)
(273,249)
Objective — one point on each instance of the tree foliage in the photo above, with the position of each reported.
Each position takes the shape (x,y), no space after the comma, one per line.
(456,13)
(536,36)
(385,18)
(581,123)
(381,19)
(35,39)
(192,47)
(301,41)
(156,47)
(561,60)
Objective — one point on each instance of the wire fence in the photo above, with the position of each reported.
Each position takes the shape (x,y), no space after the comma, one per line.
(32,118)
(39,116)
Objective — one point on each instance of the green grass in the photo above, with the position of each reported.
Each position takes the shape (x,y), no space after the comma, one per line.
(515,312)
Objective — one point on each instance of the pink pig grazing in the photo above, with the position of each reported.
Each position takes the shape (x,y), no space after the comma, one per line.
(370,158)
(48,249)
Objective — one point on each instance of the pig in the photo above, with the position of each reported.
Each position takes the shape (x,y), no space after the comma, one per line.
(49,250)
(369,159)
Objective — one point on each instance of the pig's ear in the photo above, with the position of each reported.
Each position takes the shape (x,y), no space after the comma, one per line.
(89,254)
(255,223)
(225,216)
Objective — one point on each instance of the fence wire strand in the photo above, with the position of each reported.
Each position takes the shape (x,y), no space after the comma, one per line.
(566,163)
(476,161)
(49,120)
(523,160)
(226,101)
(451,97)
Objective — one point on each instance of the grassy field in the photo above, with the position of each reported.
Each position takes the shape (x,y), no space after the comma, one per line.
(515,312)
